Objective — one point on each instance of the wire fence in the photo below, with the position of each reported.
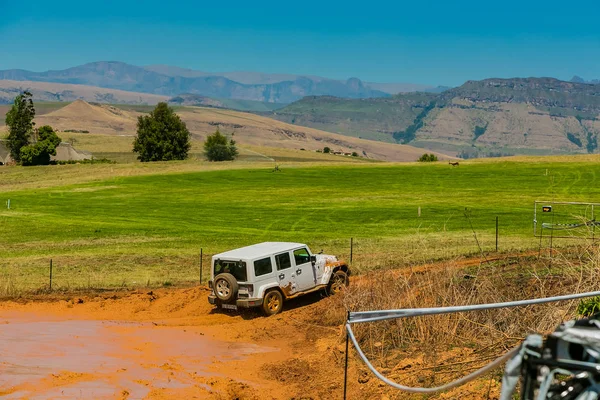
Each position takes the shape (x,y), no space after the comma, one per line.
(60,273)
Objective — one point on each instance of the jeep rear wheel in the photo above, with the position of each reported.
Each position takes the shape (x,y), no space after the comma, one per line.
(272,303)
(338,282)
(226,287)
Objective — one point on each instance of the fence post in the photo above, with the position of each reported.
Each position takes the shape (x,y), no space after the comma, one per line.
(50,274)
(496,233)
(346,363)
(201,265)
(351,248)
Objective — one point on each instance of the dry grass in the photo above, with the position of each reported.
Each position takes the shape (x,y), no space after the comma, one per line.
(247,129)
(427,351)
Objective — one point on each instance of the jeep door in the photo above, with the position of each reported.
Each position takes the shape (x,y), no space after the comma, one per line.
(303,269)
(286,275)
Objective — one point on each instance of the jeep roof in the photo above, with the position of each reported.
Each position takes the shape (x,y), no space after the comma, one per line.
(259,250)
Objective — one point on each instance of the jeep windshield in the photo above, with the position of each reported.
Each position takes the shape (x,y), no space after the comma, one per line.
(235,268)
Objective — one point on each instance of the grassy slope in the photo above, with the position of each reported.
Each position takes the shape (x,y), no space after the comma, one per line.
(373,119)
(123,229)
(250,105)
(120,149)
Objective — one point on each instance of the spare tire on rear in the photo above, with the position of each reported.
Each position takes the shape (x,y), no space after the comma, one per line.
(225,287)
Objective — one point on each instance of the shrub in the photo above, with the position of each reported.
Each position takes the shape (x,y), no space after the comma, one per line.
(326,150)
(428,158)
(589,307)
(218,148)
(84,161)
(39,152)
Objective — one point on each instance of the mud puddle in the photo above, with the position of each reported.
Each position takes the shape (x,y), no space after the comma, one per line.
(42,358)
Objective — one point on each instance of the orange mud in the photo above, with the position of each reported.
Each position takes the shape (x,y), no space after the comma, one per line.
(166,344)
(172,344)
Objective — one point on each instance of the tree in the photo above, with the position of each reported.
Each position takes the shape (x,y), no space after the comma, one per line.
(428,158)
(326,149)
(161,136)
(218,148)
(39,153)
(20,124)
(354,154)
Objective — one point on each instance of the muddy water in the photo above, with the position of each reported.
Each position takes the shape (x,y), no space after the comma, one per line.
(49,359)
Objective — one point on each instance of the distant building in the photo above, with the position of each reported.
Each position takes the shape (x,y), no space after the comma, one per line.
(5,157)
(64,152)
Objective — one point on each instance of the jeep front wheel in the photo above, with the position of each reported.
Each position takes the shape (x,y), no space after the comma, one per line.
(226,287)
(338,282)
(272,303)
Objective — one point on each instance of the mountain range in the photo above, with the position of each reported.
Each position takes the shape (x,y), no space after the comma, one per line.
(479,118)
(491,117)
(171,81)
(578,79)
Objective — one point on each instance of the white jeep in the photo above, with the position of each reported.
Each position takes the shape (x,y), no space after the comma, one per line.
(266,274)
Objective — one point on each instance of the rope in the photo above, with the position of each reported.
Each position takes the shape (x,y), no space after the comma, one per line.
(372,316)
(497,362)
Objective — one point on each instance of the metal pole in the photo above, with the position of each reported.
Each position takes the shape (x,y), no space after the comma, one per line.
(201,265)
(346,364)
(351,248)
(593,224)
(50,274)
(496,233)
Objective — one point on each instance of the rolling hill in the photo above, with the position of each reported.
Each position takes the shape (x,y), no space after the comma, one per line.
(480,118)
(82,116)
(59,92)
(248,130)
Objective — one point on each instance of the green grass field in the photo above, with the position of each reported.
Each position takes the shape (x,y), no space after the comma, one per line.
(106,229)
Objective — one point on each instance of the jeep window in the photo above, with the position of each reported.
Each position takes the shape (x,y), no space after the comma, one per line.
(283,261)
(262,266)
(235,268)
(301,256)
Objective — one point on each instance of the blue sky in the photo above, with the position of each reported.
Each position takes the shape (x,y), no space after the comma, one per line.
(427,42)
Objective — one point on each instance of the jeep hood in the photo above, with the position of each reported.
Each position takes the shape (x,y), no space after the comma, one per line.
(324,259)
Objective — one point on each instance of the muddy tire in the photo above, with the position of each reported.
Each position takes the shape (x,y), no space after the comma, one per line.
(272,302)
(225,287)
(338,282)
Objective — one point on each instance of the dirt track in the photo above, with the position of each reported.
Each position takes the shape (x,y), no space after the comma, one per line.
(164,344)
(171,344)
